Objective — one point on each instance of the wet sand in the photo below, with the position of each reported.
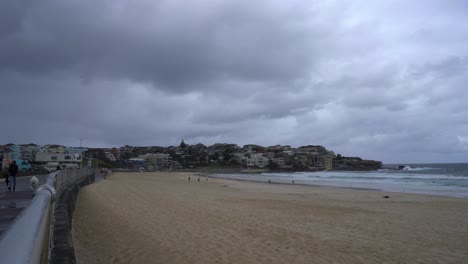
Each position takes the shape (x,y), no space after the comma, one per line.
(162,218)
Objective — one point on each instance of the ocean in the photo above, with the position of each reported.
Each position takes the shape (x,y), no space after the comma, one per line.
(434,179)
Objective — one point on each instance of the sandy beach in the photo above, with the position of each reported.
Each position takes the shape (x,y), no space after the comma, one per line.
(164,218)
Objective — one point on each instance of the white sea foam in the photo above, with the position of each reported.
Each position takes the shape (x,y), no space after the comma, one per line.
(423,180)
(365,175)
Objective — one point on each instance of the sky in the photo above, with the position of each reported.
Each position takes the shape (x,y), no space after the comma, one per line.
(384,80)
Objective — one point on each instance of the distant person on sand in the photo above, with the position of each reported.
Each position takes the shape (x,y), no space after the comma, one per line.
(12,170)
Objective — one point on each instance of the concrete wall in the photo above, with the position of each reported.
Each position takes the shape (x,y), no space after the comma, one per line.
(62,243)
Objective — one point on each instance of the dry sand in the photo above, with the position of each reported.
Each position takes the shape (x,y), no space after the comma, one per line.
(162,218)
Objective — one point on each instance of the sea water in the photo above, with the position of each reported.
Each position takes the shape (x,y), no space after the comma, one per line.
(434,179)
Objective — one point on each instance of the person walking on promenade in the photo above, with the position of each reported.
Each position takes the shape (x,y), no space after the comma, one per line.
(12,170)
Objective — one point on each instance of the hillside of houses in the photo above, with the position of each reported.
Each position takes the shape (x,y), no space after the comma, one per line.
(185,156)
(272,158)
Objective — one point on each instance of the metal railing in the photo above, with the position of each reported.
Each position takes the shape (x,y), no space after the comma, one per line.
(66,178)
(28,239)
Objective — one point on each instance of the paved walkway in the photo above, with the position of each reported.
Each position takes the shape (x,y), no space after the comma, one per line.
(12,203)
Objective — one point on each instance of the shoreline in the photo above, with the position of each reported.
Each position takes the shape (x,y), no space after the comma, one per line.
(291,184)
(384,192)
(248,171)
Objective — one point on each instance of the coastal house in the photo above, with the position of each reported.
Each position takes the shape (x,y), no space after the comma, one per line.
(52,149)
(278,148)
(60,154)
(283,163)
(257,160)
(10,152)
(279,161)
(28,152)
(95,153)
(286,153)
(310,150)
(126,152)
(319,163)
(198,149)
(110,156)
(269,155)
(275,148)
(302,161)
(327,162)
(252,148)
(157,160)
(116,153)
(239,157)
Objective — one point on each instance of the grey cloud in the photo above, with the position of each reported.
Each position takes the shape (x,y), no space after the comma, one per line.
(12,16)
(379,79)
(169,44)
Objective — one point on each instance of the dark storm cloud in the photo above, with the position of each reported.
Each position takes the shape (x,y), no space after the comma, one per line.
(383,80)
(12,14)
(168,43)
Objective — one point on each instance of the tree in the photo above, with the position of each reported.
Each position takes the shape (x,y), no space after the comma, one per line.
(226,156)
(214,157)
(272,165)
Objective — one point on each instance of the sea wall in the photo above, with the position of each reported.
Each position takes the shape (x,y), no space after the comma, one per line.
(62,250)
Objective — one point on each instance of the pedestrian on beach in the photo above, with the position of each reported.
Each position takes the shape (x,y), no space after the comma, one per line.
(12,170)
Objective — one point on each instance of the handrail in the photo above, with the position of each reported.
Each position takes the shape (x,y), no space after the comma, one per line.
(27,240)
(24,241)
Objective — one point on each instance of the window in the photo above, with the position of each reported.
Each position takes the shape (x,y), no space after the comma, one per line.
(68,157)
(53,157)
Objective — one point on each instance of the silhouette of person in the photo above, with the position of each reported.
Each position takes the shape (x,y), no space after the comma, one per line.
(12,170)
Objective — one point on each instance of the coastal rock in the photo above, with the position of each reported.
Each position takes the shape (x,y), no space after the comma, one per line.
(356,165)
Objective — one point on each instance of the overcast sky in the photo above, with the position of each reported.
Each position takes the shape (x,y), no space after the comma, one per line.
(385,80)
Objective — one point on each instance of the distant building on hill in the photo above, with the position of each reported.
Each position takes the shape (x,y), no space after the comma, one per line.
(60,154)
(10,152)
(110,156)
(29,151)
(257,160)
(157,160)
(328,162)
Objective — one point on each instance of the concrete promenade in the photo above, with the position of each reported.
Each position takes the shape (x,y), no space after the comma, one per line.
(12,203)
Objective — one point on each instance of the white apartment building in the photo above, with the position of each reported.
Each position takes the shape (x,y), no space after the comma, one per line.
(59,154)
(58,157)
(158,160)
(257,160)
(110,156)
(28,152)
